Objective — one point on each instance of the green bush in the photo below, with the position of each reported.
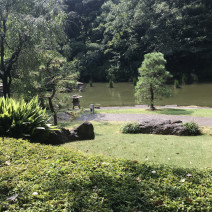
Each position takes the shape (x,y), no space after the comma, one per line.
(176,84)
(91,83)
(192,128)
(110,83)
(130,128)
(20,119)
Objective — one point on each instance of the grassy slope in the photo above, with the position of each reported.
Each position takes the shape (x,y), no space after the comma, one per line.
(178,151)
(50,178)
(168,111)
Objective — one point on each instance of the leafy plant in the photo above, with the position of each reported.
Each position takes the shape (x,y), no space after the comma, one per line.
(110,83)
(91,83)
(20,119)
(176,84)
(192,128)
(130,128)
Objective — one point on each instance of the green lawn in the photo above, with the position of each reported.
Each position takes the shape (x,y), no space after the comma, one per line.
(166,111)
(177,151)
(36,177)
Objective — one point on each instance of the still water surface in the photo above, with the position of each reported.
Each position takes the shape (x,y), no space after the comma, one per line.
(123,95)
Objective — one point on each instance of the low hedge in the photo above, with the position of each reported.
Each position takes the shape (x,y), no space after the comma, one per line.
(35,177)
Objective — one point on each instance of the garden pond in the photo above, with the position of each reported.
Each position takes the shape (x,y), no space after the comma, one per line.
(122,94)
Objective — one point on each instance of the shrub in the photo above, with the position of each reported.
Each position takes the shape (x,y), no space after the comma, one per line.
(192,128)
(130,128)
(91,83)
(176,84)
(20,119)
(110,83)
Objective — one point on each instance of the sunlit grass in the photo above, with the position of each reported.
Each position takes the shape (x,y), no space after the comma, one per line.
(165,111)
(178,151)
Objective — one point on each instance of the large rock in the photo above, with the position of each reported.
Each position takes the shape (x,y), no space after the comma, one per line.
(84,132)
(55,137)
(162,127)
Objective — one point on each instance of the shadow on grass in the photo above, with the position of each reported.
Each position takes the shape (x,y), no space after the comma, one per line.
(136,188)
(171,111)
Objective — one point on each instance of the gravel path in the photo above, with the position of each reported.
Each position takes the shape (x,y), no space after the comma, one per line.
(141,117)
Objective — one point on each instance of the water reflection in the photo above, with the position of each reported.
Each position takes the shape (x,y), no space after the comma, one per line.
(123,95)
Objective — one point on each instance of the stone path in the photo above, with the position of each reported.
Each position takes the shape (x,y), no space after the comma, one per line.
(141,117)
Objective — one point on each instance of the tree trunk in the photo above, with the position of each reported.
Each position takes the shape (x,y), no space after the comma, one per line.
(6,87)
(151,98)
(52,106)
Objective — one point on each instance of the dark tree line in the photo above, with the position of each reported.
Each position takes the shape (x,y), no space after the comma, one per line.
(108,38)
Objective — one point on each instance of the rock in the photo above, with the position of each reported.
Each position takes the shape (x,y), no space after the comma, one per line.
(84,132)
(55,137)
(162,127)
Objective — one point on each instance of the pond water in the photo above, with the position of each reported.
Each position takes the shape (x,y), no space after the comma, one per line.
(123,95)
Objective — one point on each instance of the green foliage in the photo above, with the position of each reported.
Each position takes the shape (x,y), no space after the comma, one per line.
(20,119)
(91,83)
(110,83)
(130,128)
(47,178)
(176,84)
(151,84)
(179,29)
(192,128)
(135,81)
(184,79)
(194,77)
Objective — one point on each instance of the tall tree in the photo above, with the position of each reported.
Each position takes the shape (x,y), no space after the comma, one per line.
(25,25)
(151,84)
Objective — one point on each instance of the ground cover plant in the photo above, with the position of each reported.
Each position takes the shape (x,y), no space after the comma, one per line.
(36,177)
(166,111)
(176,151)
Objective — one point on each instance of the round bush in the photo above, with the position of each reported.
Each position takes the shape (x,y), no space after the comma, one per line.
(192,128)
(130,128)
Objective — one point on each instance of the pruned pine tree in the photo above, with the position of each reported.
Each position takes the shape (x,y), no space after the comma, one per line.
(151,84)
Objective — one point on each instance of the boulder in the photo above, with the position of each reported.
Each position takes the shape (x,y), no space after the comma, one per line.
(84,132)
(162,127)
(55,137)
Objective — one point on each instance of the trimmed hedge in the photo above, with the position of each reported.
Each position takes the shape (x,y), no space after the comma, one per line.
(47,178)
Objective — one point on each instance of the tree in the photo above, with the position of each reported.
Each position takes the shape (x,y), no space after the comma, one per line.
(51,73)
(151,84)
(25,25)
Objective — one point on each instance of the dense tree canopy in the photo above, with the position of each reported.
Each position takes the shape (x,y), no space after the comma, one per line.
(118,33)
(105,39)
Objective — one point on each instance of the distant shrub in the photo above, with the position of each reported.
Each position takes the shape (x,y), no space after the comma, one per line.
(192,128)
(130,128)
(184,79)
(135,81)
(91,83)
(176,84)
(110,83)
(194,78)
(20,119)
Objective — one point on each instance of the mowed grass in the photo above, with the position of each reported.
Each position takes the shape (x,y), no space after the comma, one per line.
(176,151)
(164,111)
